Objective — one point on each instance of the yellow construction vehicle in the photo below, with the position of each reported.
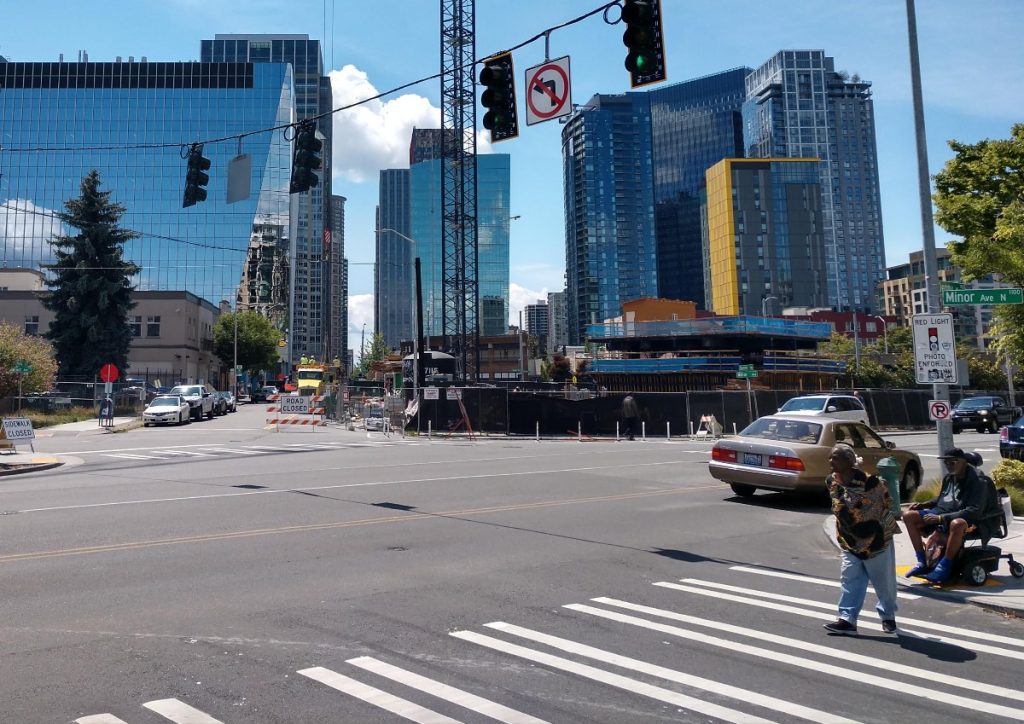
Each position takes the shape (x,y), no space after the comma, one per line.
(311,378)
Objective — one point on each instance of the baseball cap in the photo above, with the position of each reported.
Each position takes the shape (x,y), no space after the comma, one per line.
(953,453)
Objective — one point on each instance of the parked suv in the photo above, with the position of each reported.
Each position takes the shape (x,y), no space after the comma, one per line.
(199,399)
(841,407)
(984,413)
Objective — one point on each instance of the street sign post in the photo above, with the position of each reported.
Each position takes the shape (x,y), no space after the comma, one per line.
(934,349)
(21,368)
(954,297)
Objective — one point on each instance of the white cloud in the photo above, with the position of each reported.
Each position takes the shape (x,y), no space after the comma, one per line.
(26,230)
(519,297)
(360,312)
(375,135)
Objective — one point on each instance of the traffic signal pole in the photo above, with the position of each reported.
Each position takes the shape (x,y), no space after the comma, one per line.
(944,428)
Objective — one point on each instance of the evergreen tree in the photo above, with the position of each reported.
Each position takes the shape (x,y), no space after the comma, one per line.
(90,290)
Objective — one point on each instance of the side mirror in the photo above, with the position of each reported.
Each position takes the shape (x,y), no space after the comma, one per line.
(890,445)
(831,408)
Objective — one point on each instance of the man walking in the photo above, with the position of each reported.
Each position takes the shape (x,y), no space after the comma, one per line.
(631,414)
(865,525)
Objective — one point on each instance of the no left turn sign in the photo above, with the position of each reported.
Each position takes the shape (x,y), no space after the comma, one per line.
(938,410)
(548,92)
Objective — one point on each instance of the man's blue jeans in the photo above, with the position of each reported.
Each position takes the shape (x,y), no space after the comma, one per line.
(856,572)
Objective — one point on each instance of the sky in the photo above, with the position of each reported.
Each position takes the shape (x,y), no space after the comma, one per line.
(970,54)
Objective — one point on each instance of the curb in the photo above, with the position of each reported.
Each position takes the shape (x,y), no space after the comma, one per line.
(31,468)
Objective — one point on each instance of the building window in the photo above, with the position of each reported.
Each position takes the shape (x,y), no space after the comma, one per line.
(153,326)
(136,326)
(32,324)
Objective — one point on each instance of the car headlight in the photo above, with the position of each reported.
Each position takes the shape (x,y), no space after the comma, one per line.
(984,412)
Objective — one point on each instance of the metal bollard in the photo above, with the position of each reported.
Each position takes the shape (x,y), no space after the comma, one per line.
(579,431)
(616,431)
(643,430)
(430,425)
(668,431)
(538,430)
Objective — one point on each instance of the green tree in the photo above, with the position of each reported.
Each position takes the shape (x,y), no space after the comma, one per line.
(979,196)
(16,346)
(373,351)
(257,341)
(90,290)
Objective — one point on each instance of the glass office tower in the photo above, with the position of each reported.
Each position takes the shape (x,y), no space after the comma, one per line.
(799,106)
(694,125)
(610,245)
(316,322)
(131,121)
(394,278)
(493,206)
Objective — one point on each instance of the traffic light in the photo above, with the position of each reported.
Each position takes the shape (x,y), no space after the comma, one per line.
(306,159)
(499,97)
(196,177)
(643,39)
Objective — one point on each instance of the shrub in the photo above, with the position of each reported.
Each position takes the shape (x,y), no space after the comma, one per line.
(927,491)
(1009,474)
(74,414)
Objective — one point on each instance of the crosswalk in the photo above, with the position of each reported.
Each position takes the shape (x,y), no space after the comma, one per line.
(214,451)
(624,646)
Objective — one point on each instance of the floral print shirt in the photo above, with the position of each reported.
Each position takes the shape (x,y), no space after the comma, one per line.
(864,519)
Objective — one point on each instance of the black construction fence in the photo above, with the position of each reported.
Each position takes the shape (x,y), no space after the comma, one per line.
(524,412)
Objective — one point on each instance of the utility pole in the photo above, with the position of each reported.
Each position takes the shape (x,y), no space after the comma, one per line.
(944,428)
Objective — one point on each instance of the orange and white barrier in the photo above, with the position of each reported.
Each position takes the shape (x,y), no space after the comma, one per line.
(288,411)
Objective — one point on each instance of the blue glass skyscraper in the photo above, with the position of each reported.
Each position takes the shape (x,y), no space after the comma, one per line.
(130,121)
(694,125)
(393,281)
(799,106)
(610,244)
(493,205)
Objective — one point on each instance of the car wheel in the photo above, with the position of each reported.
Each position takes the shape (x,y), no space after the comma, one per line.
(994,427)
(908,485)
(209,415)
(742,489)
(956,430)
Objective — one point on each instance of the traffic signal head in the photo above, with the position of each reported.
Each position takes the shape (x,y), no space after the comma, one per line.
(196,177)
(499,97)
(643,39)
(306,159)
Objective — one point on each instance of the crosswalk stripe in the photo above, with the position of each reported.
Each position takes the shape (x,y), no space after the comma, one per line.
(131,456)
(782,706)
(100,719)
(606,677)
(969,645)
(269,448)
(806,579)
(903,621)
(443,691)
(179,712)
(829,651)
(847,675)
(170,452)
(371,695)
(232,451)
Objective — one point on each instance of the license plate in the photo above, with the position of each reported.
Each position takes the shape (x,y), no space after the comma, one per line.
(751,459)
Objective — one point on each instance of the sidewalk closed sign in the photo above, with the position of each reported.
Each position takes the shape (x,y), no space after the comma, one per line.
(18,429)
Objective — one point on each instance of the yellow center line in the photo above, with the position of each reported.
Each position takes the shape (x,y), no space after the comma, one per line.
(137,545)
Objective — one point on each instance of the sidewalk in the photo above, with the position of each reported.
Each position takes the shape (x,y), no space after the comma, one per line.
(1001,592)
(25,461)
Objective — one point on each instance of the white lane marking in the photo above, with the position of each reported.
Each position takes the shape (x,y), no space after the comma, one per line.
(179,712)
(805,579)
(100,719)
(782,706)
(828,651)
(969,645)
(190,453)
(232,451)
(270,448)
(903,620)
(129,456)
(376,697)
(379,483)
(846,675)
(443,691)
(606,677)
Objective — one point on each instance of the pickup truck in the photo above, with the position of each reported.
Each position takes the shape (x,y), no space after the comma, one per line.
(984,413)
(199,399)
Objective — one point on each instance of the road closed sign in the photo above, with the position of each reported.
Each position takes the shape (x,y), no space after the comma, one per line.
(18,429)
(295,404)
(934,349)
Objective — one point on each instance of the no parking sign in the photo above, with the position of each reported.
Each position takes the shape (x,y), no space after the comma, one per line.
(938,410)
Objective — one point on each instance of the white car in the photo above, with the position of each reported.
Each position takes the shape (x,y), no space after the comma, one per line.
(373,419)
(167,409)
(840,407)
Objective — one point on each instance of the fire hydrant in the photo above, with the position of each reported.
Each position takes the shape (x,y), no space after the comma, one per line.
(889,471)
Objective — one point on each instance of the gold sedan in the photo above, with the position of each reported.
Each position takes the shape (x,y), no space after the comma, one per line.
(790,452)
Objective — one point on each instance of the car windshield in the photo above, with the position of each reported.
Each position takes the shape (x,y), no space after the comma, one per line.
(979,404)
(803,403)
(187,391)
(164,402)
(375,413)
(768,428)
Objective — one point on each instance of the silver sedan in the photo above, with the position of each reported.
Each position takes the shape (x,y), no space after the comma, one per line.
(167,409)
(790,452)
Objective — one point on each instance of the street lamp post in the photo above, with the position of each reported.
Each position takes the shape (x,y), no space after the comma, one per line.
(764,305)
(885,331)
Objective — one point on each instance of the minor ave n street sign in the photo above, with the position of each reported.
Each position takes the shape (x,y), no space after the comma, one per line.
(954,297)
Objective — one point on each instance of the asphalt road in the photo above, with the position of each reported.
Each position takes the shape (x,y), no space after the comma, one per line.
(219,572)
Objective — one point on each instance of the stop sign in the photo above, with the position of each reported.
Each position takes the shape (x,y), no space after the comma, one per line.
(108,373)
